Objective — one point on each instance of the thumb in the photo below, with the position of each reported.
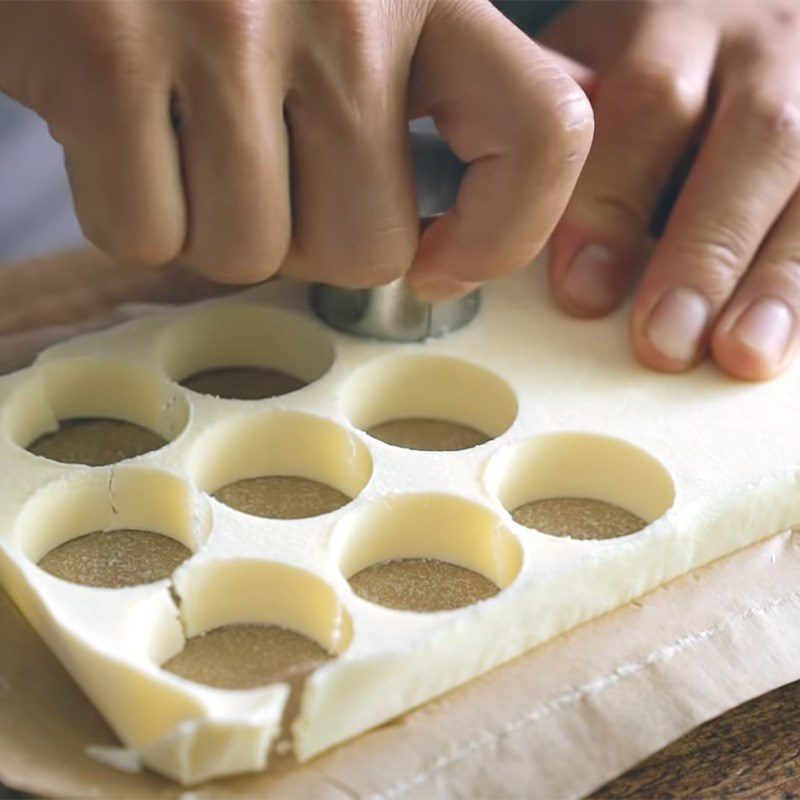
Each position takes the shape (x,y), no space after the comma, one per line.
(584,76)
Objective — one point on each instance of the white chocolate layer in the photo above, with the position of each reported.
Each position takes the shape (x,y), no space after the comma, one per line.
(710,463)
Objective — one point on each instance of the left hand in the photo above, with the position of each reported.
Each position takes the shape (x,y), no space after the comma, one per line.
(725,276)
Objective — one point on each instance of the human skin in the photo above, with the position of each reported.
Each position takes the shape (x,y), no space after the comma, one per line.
(721,78)
(291,151)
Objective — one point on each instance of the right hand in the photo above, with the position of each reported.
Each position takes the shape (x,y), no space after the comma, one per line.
(292,152)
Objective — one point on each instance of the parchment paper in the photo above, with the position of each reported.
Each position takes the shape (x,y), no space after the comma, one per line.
(557,722)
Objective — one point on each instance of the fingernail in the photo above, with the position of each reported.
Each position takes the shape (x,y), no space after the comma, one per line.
(677,324)
(436,290)
(766,327)
(592,280)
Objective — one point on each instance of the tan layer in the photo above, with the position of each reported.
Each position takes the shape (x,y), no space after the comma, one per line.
(243,383)
(116,558)
(579,518)
(282,497)
(96,442)
(427,434)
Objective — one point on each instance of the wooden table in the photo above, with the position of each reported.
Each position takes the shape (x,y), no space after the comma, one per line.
(752,751)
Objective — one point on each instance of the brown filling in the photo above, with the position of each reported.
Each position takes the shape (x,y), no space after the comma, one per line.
(246,655)
(282,497)
(243,383)
(578,517)
(115,559)
(421,584)
(96,442)
(427,434)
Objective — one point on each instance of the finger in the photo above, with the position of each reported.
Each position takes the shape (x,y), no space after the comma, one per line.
(583,75)
(523,126)
(647,105)
(107,103)
(235,154)
(355,221)
(746,170)
(124,171)
(758,334)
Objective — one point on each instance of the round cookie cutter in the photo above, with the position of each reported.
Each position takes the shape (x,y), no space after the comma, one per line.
(392,312)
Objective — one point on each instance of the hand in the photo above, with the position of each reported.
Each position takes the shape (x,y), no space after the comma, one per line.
(291,153)
(722,78)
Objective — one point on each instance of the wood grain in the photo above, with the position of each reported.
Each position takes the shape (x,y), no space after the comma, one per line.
(752,751)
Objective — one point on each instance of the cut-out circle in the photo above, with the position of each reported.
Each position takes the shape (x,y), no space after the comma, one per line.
(578,518)
(422,392)
(246,656)
(282,497)
(251,623)
(423,585)
(245,352)
(96,442)
(581,485)
(87,411)
(112,529)
(115,559)
(427,434)
(281,464)
(243,383)
(423,540)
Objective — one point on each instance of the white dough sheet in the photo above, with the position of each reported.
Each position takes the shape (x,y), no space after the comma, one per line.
(710,463)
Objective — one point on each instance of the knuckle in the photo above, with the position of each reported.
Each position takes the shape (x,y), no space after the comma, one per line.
(721,257)
(350,18)
(231,22)
(234,17)
(113,65)
(656,91)
(348,28)
(112,44)
(775,117)
(623,211)
(232,45)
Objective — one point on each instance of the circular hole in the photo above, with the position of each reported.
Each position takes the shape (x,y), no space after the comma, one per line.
(243,383)
(114,559)
(427,402)
(427,434)
(245,352)
(282,497)
(578,518)
(246,655)
(82,411)
(119,528)
(96,442)
(281,464)
(251,623)
(426,552)
(423,585)
(581,485)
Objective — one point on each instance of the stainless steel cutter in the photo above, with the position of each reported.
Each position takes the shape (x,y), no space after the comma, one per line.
(392,312)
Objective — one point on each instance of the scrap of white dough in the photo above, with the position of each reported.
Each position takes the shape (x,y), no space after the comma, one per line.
(120,758)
